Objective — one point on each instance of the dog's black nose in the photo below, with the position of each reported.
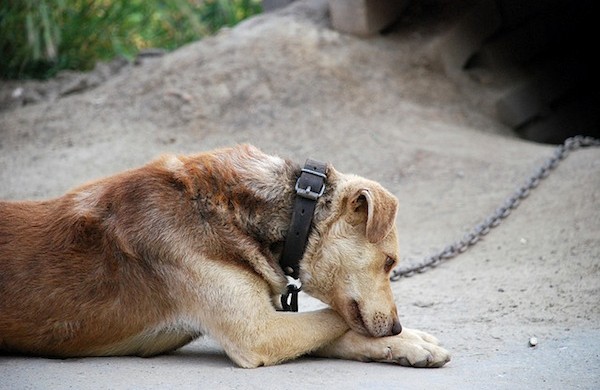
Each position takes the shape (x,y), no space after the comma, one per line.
(396,328)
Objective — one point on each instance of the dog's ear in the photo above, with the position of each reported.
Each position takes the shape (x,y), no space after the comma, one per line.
(380,208)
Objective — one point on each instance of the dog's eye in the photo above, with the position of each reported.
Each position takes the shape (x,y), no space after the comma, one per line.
(389,264)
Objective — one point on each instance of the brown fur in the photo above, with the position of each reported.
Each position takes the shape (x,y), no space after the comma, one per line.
(143,262)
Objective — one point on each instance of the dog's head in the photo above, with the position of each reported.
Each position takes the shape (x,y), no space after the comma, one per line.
(348,266)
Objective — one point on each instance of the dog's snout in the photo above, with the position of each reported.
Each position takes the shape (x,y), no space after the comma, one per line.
(396,328)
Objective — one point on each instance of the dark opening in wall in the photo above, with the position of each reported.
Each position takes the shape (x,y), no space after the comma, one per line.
(538,58)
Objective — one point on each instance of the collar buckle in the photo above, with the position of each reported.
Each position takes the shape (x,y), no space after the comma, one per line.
(307,192)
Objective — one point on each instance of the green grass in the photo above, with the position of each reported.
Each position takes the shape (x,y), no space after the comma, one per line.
(39,38)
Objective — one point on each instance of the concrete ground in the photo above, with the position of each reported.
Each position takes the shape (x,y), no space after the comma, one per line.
(378,107)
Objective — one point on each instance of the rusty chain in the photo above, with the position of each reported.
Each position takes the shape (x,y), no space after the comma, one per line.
(494,219)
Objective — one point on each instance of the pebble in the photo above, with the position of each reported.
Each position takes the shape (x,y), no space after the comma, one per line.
(533,341)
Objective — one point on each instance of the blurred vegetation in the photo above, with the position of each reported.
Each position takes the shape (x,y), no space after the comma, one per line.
(39,38)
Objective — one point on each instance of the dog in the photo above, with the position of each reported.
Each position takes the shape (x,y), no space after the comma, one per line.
(144,262)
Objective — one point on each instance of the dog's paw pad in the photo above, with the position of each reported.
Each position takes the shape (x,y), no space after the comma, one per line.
(403,362)
(389,355)
(424,360)
(418,357)
(423,363)
(440,362)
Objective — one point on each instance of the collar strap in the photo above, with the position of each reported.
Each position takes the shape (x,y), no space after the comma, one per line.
(310,186)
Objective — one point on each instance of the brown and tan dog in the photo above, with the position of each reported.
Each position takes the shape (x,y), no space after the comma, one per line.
(143,262)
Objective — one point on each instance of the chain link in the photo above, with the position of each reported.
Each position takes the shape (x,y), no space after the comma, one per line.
(494,219)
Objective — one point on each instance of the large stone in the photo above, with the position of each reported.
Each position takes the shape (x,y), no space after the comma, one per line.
(364,17)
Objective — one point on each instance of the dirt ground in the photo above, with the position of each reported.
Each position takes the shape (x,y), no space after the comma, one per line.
(378,107)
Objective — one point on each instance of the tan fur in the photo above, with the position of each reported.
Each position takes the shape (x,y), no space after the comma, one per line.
(143,262)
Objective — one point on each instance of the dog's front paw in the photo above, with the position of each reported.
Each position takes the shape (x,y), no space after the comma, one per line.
(414,348)
(411,348)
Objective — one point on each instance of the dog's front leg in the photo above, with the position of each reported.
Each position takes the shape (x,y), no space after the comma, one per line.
(281,336)
(410,348)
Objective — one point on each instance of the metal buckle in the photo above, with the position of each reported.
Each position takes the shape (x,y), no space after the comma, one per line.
(307,192)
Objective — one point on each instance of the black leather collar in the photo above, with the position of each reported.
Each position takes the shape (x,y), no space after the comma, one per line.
(310,186)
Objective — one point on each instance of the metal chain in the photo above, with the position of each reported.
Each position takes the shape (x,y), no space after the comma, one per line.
(494,219)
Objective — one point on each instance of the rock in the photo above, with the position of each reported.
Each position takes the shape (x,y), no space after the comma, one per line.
(533,341)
